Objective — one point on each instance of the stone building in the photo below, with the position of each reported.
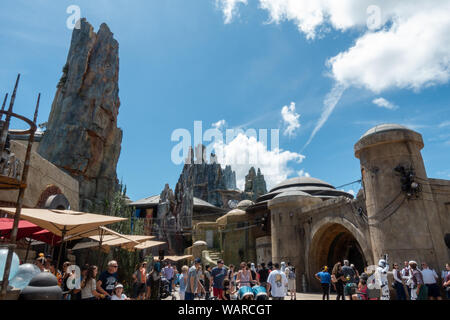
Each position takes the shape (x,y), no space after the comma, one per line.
(399,212)
(48,186)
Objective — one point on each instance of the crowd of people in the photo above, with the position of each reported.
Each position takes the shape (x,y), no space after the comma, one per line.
(278,281)
(409,282)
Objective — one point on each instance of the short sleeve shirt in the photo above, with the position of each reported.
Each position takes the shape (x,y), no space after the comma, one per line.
(417,277)
(277,281)
(109,281)
(218,275)
(325,277)
(192,273)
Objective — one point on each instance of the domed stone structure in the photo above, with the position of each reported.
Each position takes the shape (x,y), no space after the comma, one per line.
(244,204)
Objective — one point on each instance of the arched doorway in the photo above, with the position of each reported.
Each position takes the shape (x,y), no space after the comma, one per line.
(334,243)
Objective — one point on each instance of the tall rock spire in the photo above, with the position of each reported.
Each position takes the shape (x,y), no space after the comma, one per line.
(82,136)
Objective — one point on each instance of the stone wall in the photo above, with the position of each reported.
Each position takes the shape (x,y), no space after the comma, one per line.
(41,175)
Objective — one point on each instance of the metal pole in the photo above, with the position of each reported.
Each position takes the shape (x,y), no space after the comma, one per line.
(19,199)
(28,250)
(61,246)
(5,127)
(100,248)
(3,106)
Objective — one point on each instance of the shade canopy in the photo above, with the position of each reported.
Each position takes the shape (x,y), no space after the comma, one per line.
(46,237)
(24,229)
(178,258)
(149,244)
(64,223)
(113,241)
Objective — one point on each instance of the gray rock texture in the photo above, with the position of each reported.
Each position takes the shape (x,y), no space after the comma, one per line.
(82,136)
(255,185)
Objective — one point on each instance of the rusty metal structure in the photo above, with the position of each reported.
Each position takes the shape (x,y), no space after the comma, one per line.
(13,174)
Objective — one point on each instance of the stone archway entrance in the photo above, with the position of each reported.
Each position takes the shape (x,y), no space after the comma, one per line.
(333,243)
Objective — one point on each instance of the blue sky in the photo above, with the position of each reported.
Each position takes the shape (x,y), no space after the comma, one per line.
(180,61)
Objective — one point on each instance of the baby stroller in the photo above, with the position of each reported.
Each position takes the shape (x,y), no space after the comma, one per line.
(164,291)
(260,293)
(246,293)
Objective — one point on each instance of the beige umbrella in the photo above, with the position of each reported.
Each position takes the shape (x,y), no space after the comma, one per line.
(66,223)
(148,244)
(178,258)
(126,242)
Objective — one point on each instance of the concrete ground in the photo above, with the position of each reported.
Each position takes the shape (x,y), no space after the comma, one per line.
(300,296)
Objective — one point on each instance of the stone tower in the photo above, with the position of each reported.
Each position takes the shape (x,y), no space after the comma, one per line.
(402,214)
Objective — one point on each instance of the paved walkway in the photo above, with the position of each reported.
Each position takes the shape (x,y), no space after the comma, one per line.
(300,296)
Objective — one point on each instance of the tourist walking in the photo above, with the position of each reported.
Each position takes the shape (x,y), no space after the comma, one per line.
(325,279)
(276,283)
(290,274)
(338,280)
(398,282)
(348,271)
(108,280)
(430,278)
(263,275)
(140,282)
(183,281)
(207,281)
(218,275)
(154,282)
(446,283)
(193,280)
(244,276)
(418,287)
(406,276)
(89,286)
(232,277)
(227,290)
(168,273)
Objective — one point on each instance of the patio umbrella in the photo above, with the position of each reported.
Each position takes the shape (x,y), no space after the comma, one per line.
(46,237)
(65,223)
(24,229)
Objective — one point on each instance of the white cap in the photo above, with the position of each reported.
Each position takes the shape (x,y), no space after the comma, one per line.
(118,286)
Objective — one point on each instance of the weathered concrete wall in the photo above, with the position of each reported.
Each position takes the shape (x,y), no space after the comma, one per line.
(304,228)
(441,194)
(404,228)
(200,229)
(41,175)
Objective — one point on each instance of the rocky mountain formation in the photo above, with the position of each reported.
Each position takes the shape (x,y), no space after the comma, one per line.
(82,136)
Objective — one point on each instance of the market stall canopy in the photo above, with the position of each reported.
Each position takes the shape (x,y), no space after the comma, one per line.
(149,244)
(64,223)
(24,229)
(178,258)
(46,237)
(112,241)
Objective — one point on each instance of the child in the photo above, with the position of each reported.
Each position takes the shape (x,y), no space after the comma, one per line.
(227,292)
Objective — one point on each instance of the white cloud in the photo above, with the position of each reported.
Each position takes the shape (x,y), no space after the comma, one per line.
(303,173)
(330,103)
(444,124)
(219,124)
(383,103)
(410,48)
(245,152)
(229,8)
(291,119)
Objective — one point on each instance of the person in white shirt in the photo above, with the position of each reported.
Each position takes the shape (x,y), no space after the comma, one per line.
(118,293)
(430,278)
(277,283)
(406,275)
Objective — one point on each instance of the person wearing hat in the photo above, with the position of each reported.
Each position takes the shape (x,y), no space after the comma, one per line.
(193,280)
(418,288)
(118,293)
